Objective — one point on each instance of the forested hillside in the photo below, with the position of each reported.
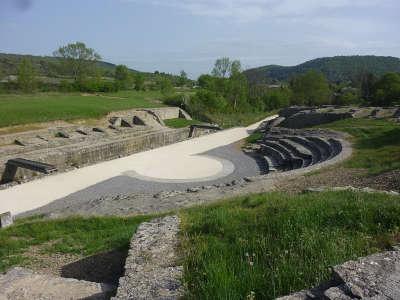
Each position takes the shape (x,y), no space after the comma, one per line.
(45,65)
(336,69)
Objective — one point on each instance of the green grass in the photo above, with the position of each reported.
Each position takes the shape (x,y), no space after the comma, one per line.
(254,137)
(18,109)
(376,143)
(237,119)
(180,122)
(275,244)
(77,235)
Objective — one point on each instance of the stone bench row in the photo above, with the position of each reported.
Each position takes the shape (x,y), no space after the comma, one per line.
(284,153)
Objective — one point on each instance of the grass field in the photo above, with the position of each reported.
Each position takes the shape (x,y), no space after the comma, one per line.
(42,107)
(180,122)
(237,119)
(84,236)
(269,245)
(376,143)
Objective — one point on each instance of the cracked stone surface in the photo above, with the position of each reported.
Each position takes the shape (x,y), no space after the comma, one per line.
(150,269)
(24,284)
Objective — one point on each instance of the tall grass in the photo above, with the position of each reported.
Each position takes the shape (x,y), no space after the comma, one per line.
(273,244)
(85,236)
(376,143)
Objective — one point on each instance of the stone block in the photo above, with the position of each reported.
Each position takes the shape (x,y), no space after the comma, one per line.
(116,121)
(5,220)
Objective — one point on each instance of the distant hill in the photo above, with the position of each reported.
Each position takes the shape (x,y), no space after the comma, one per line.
(336,69)
(45,65)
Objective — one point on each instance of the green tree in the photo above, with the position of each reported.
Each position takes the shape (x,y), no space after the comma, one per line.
(122,76)
(235,68)
(78,60)
(387,90)
(222,67)
(237,91)
(183,78)
(139,82)
(26,76)
(310,88)
(368,81)
(165,85)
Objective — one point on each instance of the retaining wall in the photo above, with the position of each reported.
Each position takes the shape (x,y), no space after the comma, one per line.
(82,154)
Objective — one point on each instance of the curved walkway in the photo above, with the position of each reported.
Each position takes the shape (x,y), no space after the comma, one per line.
(179,161)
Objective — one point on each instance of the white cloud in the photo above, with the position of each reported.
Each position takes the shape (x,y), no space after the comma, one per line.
(248,10)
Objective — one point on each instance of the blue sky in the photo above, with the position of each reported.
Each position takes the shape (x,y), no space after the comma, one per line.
(171,35)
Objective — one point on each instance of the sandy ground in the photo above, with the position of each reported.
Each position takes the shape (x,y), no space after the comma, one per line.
(174,162)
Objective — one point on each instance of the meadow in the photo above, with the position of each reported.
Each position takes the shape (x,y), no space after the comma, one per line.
(19,109)
(269,245)
(376,143)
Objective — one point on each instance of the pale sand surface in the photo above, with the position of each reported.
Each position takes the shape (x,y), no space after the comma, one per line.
(177,161)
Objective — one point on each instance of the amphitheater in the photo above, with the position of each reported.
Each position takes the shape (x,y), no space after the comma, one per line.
(133,164)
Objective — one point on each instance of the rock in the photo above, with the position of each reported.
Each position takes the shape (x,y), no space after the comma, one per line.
(138,121)
(98,129)
(125,123)
(296,296)
(82,131)
(193,190)
(207,187)
(248,179)
(151,270)
(6,220)
(62,134)
(24,284)
(337,293)
(116,121)
(376,276)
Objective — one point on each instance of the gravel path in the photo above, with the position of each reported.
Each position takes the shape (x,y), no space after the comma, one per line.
(116,190)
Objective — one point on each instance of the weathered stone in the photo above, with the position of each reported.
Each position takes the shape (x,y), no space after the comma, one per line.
(6,219)
(138,121)
(23,284)
(62,134)
(82,131)
(193,190)
(125,123)
(337,293)
(296,296)
(375,276)
(150,269)
(115,121)
(98,129)
(248,179)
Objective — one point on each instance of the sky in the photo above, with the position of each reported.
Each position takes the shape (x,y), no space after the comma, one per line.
(174,35)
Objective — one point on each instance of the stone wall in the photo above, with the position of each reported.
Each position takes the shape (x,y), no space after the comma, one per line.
(81,154)
(313,118)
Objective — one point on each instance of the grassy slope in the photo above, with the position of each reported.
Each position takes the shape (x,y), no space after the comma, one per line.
(43,107)
(376,143)
(237,119)
(86,236)
(180,123)
(275,244)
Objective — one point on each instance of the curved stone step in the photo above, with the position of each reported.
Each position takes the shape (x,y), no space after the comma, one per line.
(293,161)
(277,160)
(299,151)
(270,164)
(336,146)
(316,151)
(325,147)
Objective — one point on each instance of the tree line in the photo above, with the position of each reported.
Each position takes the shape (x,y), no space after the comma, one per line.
(78,70)
(227,90)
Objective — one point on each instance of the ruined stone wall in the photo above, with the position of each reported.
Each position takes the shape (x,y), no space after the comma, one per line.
(82,154)
(309,119)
